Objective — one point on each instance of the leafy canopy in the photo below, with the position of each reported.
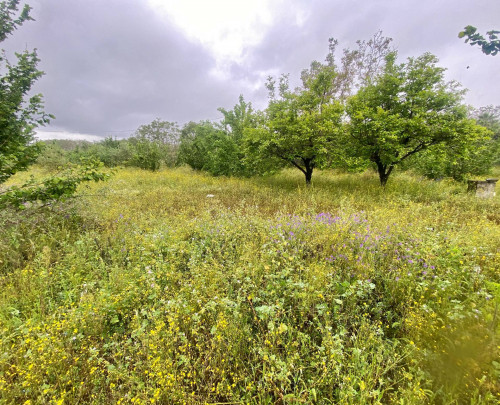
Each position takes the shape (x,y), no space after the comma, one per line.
(242,116)
(461,162)
(230,145)
(198,148)
(408,109)
(218,147)
(303,126)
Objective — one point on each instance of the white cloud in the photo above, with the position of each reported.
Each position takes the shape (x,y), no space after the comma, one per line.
(224,26)
(74,136)
(227,28)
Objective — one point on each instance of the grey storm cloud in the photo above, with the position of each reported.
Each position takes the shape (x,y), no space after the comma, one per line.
(113,65)
(416,27)
(116,64)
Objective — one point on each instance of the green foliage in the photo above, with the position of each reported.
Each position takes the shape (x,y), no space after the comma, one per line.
(205,146)
(406,111)
(146,154)
(444,161)
(196,141)
(155,143)
(231,146)
(111,152)
(489,46)
(19,116)
(462,163)
(218,148)
(25,233)
(164,132)
(56,187)
(237,120)
(8,21)
(52,156)
(223,155)
(489,117)
(301,127)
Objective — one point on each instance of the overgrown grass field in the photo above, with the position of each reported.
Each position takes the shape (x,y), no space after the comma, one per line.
(175,287)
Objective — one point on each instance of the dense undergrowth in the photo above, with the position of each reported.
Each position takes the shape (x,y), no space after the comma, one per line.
(176,287)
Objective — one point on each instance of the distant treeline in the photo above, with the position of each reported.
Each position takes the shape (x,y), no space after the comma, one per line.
(151,147)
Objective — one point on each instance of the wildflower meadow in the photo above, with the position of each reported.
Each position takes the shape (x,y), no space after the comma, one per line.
(174,287)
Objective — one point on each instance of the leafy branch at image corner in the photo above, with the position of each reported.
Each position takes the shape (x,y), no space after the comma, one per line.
(490,46)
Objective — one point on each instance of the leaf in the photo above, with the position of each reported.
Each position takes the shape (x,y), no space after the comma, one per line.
(282,328)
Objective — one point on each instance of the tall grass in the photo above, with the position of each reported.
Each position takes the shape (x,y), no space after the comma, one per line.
(176,287)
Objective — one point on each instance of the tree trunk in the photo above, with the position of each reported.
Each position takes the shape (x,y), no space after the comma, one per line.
(383,178)
(308,175)
(384,171)
(309,171)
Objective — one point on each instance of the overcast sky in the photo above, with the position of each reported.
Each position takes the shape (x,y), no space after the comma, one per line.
(112,65)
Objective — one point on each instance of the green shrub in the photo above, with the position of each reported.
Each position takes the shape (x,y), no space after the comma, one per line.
(52,156)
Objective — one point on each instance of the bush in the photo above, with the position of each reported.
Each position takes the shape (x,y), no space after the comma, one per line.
(441,161)
(52,156)
(204,146)
(110,152)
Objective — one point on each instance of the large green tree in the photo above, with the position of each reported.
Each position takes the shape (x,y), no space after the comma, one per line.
(407,110)
(20,113)
(301,126)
